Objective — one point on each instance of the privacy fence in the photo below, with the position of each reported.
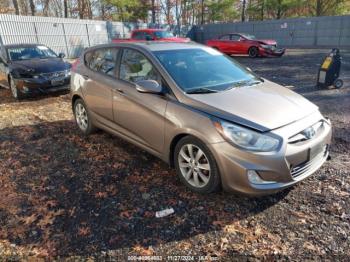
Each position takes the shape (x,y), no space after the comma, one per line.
(332,31)
(69,36)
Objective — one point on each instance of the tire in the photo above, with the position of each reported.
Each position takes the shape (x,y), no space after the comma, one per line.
(83,118)
(253,52)
(14,90)
(199,175)
(338,83)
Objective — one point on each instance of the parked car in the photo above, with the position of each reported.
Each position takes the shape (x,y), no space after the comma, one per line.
(244,44)
(218,123)
(152,35)
(31,68)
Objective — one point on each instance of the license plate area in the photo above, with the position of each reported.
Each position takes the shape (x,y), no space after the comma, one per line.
(57,81)
(317,150)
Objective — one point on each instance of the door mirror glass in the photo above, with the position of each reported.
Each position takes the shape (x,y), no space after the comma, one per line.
(61,55)
(148,86)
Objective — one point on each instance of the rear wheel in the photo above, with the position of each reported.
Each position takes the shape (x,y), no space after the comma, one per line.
(195,165)
(253,51)
(82,117)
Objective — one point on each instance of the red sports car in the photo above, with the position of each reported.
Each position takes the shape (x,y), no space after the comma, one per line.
(242,44)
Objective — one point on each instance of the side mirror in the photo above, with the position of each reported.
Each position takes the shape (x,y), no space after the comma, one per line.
(61,55)
(148,86)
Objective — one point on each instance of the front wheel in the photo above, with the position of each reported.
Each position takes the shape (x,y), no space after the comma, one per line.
(196,166)
(14,90)
(253,51)
(83,118)
(338,83)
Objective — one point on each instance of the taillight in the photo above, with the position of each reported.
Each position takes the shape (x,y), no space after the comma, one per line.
(75,64)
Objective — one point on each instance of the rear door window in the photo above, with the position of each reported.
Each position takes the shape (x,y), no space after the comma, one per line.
(225,37)
(235,37)
(102,60)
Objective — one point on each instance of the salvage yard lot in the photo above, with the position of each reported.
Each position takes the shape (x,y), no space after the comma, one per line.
(65,195)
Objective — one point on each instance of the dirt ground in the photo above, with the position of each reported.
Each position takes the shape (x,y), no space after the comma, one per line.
(73,198)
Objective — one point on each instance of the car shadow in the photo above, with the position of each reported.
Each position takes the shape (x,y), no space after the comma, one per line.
(70,195)
(7,98)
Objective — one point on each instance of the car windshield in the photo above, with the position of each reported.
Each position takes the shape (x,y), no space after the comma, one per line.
(249,37)
(204,69)
(163,34)
(30,52)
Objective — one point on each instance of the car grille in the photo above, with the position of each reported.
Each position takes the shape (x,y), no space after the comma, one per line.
(54,74)
(309,165)
(303,135)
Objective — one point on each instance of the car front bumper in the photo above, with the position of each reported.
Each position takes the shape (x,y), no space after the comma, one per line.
(271,52)
(277,170)
(31,86)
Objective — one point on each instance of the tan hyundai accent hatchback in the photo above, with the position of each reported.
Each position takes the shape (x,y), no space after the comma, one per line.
(216,122)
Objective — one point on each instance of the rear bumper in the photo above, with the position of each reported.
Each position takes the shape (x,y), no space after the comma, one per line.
(277,170)
(270,52)
(41,86)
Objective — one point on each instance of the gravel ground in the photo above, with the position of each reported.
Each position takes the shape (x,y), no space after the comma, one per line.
(67,197)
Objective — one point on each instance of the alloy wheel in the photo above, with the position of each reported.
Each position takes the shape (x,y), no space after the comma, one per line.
(194,165)
(81,116)
(253,52)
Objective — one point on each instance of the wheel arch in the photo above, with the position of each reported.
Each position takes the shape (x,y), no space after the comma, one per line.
(75,98)
(254,46)
(173,144)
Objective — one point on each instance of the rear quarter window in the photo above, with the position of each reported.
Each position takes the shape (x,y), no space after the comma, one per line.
(102,60)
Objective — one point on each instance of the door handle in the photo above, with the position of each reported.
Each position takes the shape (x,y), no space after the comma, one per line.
(85,77)
(121,91)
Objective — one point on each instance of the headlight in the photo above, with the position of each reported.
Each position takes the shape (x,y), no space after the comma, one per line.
(265,46)
(67,72)
(246,138)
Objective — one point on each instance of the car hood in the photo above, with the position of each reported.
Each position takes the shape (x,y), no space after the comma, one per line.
(41,65)
(264,107)
(267,41)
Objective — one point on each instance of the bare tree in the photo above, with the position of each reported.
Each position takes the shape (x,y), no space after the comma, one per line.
(167,6)
(32,7)
(65,8)
(46,7)
(81,8)
(15,5)
(153,10)
(244,2)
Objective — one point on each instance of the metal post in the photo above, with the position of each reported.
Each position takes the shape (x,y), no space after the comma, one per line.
(65,39)
(342,18)
(36,33)
(87,33)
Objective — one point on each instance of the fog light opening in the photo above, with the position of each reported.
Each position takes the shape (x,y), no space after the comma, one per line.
(254,178)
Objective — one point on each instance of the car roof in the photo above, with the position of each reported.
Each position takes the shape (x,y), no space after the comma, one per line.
(21,45)
(148,30)
(154,46)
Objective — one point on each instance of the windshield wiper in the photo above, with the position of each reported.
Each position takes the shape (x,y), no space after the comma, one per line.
(201,90)
(243,83)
